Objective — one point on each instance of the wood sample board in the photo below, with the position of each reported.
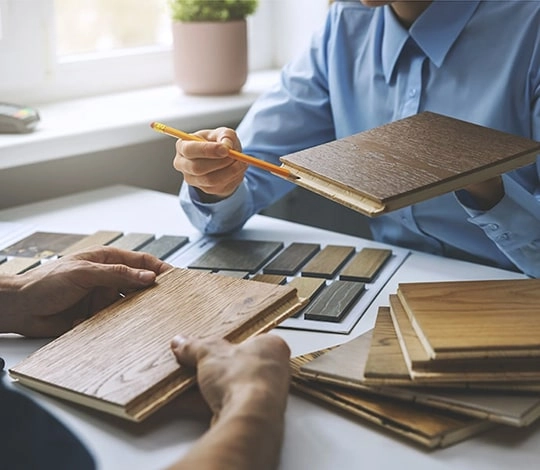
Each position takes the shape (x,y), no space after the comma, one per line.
(344,366)
(119,361)
(475,319)
(432,428)
(407,161)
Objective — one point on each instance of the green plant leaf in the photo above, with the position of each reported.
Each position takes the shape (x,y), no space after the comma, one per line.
(211,10)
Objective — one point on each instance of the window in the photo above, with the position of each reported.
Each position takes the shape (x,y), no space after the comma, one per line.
(58,49)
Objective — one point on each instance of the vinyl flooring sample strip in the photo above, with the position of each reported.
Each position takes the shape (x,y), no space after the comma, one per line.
(18,265)
(270,278)
(334,302)
(237,255)
(327,262)
(133,241)
(101,237)
(292,258)
(365,265)
(42,244)
(165,246)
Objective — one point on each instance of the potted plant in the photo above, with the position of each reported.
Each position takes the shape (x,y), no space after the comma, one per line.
(210,44)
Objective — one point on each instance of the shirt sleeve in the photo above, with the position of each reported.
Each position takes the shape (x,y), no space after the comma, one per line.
(513,225)
(295,114)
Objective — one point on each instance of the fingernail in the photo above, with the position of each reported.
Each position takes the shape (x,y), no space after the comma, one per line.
(177,341)
(146,276)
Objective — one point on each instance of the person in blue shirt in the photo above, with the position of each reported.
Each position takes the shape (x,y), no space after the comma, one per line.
(374,62)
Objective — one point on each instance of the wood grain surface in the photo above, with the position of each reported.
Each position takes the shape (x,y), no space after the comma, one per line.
(119,361)
(418,360)
(101,237)
(385,359)
(408,161)
(344,366)
(424,425)
(365,265)
(308,287)
(327,262)
(469,319)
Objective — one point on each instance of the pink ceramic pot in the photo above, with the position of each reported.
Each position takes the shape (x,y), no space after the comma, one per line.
(210,58)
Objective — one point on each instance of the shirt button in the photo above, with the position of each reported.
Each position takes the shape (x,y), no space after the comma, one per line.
(504,236)
(493,227)
(412,92)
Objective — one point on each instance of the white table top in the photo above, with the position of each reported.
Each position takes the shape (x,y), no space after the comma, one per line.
(316,437)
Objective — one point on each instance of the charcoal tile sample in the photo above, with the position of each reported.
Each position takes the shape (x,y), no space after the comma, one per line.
(237,255)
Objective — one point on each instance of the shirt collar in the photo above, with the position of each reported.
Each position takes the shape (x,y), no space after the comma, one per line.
(448,19)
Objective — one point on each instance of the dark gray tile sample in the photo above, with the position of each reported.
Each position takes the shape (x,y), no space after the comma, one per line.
(237,255)
(292,258)
(165,246)
(335,301)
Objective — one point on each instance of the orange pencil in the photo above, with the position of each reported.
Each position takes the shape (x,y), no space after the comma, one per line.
(157,126)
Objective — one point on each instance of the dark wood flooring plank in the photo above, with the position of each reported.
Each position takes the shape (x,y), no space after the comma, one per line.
(292,258)
(365,265)
(237,255)
(334,302)
(165,246)
(327,262)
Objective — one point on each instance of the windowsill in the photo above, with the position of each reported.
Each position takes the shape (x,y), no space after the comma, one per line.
(93,124)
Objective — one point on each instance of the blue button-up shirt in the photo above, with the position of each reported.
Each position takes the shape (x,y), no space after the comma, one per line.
(478,61)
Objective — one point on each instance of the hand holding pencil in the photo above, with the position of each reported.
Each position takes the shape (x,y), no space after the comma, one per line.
(232,153)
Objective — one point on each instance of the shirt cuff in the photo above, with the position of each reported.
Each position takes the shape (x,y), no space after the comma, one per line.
(224,216)
(513,222)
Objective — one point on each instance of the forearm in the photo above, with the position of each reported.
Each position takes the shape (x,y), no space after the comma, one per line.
(247,435)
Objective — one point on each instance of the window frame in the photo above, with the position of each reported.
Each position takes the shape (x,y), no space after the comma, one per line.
(31,73)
